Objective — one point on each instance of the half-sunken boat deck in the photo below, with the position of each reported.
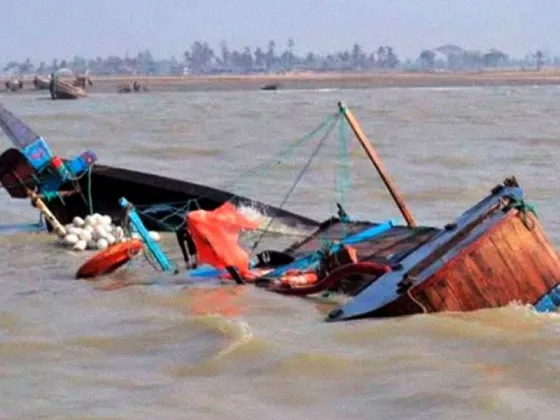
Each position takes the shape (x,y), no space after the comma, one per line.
(494,254)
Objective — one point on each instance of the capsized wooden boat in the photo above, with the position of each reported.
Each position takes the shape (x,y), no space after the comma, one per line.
(493,254)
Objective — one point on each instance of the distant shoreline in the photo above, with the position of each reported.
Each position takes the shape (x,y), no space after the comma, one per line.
(107,84)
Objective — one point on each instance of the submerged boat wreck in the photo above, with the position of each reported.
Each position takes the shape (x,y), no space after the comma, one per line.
(495,253)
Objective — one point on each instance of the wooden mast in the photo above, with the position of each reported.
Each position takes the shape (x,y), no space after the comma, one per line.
(376,161)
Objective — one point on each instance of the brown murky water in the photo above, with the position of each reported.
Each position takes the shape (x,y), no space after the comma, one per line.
(70,350)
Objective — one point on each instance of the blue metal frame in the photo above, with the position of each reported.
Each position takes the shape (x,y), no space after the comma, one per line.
(152,246)
(549,302)
(38,153)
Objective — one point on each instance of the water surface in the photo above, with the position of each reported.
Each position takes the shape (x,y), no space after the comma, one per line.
(71,350)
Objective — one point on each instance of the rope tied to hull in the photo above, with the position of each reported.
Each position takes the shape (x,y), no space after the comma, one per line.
(524,208)
(128,230)
(306,166)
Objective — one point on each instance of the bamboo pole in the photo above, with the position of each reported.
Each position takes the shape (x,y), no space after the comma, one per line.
(376,161)
(37,202)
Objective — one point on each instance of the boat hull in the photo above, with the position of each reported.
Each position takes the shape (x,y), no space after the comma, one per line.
(512,261)
(63,90)
(156,197)
(492,256)
(41,83)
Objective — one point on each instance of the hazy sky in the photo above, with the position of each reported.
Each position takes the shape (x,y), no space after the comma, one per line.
(44,29)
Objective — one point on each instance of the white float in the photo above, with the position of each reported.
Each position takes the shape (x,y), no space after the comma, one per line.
(96,232)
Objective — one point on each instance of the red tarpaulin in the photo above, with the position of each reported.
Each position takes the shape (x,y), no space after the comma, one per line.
(216,234)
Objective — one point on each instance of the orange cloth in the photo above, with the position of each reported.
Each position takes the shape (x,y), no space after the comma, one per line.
(216,234)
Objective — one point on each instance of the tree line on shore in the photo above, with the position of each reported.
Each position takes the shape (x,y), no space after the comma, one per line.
(200,58)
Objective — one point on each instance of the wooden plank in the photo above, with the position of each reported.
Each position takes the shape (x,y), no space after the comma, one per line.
(471,287)
(500,281)
(544,254)
(518,269)
(532,255)
(439,283)
(433,297)
(476,285)
(517,247)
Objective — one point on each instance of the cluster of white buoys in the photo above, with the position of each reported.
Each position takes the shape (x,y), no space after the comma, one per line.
(96,232)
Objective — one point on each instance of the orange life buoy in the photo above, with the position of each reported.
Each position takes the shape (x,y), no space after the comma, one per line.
(108,260)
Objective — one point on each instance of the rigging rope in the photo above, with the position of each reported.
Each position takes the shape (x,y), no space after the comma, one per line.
(287,151)
(185,207)
(343,180)
(298,179)
(282,154)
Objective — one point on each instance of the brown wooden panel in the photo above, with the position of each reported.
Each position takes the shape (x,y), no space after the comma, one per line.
(471,286)
(432,296)
(533,256)
(497,266)
(498,271)
(439,283)
(508,263)
(543,254)
(517,267)
(483,287)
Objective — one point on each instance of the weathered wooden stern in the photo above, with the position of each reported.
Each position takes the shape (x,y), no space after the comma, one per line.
(495,253)
(513,261)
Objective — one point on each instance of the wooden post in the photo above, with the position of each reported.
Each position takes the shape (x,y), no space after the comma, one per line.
(374,158)
(37,202)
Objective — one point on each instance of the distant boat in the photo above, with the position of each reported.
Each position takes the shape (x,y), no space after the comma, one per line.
(132,87)
(42,83)
(65,90)
(14,85)
(270,86)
